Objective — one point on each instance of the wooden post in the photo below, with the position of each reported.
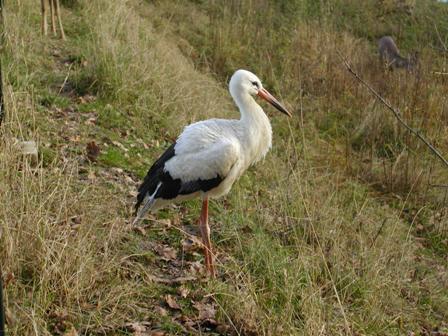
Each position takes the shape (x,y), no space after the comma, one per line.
(52,15)
(58,17)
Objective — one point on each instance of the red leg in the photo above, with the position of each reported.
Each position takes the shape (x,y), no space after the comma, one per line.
(205,232)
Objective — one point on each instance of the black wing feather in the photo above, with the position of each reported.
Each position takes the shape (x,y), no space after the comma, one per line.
(152,178)
(171,188)
(203,185)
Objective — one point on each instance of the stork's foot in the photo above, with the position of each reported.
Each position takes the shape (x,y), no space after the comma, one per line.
(208,254)
(209,264)
(212,272)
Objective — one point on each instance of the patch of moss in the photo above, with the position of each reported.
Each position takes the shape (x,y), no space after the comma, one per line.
(53,100)
(113,157)
(47,155)
(110,117)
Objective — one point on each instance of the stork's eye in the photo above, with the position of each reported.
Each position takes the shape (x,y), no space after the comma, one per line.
(255,84)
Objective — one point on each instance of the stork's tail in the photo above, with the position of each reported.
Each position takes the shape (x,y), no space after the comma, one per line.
(146,206)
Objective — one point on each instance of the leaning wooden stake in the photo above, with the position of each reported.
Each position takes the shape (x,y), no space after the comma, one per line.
(395,112)
(43,9)
(55,14)
(53,21)
(58,16)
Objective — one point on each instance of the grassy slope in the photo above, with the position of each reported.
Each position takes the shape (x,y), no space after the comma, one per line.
(307,242)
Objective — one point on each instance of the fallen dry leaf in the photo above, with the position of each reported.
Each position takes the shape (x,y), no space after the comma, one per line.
(223,329)
(247,229)
(71,332)
(74,138)
(93,150)
(120,145)
(183,291)
(60,321)
(173,280)
(188,323)
(138,328)
(197,268)
(139,230)
(175,220)
(88,97)
(140,141)
(171,302)
(166,252)
(11,318)
(125,133)
(161,311)
(206,311)
(90,121)
(91,175)
(129,180)
(75,222)
(165,222)
(117,170)
(9,278)
(157,333)
(192,244)
(30,150)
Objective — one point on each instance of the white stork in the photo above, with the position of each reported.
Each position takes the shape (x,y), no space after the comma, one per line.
(210,155)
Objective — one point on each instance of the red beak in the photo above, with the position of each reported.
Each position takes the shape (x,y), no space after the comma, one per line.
(263,93)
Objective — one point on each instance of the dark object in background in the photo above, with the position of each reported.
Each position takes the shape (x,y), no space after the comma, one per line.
(390,55)
(93,150)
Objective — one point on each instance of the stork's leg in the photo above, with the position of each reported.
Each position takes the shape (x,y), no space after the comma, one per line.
(205,232)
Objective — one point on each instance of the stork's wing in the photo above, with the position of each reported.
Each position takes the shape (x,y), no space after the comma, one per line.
(192,164)
(209,162)
(204,150)
(152,178)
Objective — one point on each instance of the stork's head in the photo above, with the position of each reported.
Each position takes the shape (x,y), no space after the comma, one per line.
(245,82)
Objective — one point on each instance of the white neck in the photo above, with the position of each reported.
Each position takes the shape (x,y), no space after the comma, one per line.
(256,131)
(249,109)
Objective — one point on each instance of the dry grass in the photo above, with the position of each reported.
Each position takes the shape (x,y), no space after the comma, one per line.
(129,58)
(302,63)
(335,233)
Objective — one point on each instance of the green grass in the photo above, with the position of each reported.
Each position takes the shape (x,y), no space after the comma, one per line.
(336,232)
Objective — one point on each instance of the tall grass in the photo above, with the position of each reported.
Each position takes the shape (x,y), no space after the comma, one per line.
(320,239)
(137,68)
(297,53)
(353,137)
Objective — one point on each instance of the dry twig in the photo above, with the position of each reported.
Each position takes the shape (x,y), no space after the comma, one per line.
(394,111)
